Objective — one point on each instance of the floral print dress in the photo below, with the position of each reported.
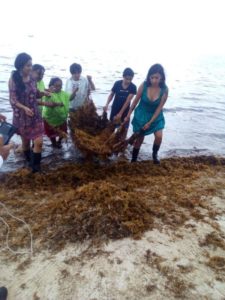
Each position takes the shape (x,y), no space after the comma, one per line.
(28,127)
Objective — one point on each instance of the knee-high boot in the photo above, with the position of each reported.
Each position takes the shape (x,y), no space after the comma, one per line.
(155,150)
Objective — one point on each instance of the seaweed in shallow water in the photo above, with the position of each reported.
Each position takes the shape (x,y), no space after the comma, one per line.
(94,134)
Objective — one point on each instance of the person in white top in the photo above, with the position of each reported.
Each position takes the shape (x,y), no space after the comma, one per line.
(79,85)
(4,149)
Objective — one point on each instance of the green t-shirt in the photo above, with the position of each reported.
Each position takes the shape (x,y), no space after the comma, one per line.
(41,88)
(41,85)
(56,116)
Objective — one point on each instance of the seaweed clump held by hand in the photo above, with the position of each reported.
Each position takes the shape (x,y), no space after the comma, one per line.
(94,135)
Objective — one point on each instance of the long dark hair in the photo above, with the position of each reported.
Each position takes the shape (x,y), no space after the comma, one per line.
(157,68)
(19,64)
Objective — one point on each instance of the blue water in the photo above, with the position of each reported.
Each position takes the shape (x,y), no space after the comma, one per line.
(194,112)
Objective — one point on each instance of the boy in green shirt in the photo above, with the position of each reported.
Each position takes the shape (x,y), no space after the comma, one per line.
(55,118)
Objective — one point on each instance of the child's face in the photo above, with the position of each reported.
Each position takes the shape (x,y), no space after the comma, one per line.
(155,79)
(27,68)
(127,79)
(76,76)
(35,75)
(57,86)
(38,74)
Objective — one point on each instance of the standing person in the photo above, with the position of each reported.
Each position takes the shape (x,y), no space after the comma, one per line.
(148,115)
(122,93)
(79,86)
(55,118)
(26,115)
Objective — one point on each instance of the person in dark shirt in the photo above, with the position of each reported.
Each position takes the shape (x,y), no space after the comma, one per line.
(122,93)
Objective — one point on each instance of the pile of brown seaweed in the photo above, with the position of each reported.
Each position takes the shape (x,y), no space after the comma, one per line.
(93,134)
(79,202)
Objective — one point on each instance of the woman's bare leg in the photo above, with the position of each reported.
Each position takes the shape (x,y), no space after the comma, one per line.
(26,151)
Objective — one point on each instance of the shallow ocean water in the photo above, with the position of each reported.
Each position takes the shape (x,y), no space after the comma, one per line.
(194,112)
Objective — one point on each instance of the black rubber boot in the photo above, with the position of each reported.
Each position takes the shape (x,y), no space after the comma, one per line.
(155,150)
(36,162)
(27,155)
(135,154)
(3,293)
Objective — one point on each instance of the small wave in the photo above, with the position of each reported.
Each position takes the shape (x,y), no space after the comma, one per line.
(180,109)
(187,152)
(195,109)
(5,57)
(197,94)
(6,65)
(216,135)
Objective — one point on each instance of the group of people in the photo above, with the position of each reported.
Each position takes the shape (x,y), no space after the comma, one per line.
(38,110)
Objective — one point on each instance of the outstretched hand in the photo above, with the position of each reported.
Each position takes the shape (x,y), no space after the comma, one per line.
(117,119)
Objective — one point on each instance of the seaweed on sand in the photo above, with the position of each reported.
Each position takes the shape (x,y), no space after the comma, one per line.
(79,202)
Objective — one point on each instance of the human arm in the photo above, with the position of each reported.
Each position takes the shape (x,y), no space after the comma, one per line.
(158,110)
(15,101)
(73,94)
(124,107)
(49,103)
(45,93)
(135,102)
(91,83)
(111,95)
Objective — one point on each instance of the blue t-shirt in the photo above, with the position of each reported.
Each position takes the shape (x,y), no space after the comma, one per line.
(120,98)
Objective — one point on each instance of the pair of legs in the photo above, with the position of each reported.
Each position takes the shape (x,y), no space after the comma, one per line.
(55,133)
(156,145)
(33,158)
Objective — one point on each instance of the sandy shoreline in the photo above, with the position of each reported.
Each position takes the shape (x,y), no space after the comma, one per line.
(180,256)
